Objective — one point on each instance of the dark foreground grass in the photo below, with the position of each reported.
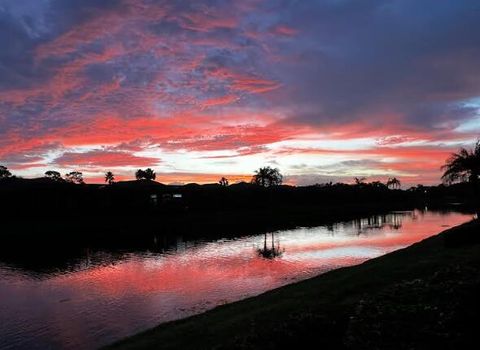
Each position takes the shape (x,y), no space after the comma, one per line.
(423,297)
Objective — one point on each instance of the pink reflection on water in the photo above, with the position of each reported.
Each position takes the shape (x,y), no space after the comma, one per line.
(96,305)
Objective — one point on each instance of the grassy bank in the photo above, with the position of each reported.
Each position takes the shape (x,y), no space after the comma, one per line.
(423,296)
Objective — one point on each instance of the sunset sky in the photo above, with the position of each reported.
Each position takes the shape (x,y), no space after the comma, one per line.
(323,90)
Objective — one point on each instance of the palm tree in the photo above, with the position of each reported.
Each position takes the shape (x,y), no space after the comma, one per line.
(223,181)
(267,177)
(109,177)
(359,180)
(394,183)
(463,166)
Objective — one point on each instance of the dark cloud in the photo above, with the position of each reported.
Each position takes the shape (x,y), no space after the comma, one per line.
(66,14)
(25,25)
(16,63)
(374,58)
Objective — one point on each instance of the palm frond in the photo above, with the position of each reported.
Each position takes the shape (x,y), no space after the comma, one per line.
(461,165)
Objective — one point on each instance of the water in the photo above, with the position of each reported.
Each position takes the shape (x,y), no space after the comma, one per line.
(97,297)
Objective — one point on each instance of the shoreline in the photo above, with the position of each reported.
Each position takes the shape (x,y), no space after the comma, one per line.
(351,307)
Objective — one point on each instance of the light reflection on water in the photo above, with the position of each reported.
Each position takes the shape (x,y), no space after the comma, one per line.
(104,296)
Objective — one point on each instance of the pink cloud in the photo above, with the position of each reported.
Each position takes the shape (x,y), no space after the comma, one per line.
(100,158)
(218,101)
(283,30)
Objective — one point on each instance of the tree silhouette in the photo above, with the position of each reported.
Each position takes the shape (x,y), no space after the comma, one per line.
(394,183)
(147,174)
(75,177)
(4,172)
(267,177)
(54,175)
(109,177)
(463,166)
(377,184)
(360,181)
(223,181)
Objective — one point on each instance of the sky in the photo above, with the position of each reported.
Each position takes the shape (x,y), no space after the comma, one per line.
(324,90)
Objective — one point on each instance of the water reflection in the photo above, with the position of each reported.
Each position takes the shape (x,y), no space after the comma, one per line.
(392,220)
(80,298)
(272,251)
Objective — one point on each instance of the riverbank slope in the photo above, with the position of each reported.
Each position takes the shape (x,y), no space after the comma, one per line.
(423,296)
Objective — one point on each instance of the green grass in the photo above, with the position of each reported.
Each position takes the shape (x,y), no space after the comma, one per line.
(423,296)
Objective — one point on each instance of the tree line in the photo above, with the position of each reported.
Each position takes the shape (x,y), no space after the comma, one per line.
(463,166)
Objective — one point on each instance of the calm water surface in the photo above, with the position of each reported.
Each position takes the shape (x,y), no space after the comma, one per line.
(100,297)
